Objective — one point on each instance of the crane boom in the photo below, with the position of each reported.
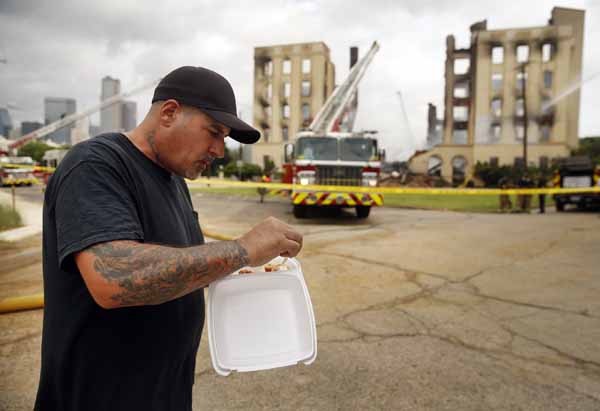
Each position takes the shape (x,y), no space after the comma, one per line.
(332,111)
(63,122)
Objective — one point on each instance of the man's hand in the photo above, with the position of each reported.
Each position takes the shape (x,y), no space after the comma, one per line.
(269,239)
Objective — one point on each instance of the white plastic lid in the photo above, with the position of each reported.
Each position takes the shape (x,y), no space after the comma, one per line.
(261,320)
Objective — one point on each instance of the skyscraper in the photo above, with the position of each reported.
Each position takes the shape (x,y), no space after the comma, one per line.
(110,117)
(56,108)
(5,122)
(30,126)
(128,115)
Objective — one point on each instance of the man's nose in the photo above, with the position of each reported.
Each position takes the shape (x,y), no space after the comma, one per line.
(218,149)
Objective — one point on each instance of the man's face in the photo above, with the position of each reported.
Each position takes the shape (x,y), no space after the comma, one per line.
(190,141)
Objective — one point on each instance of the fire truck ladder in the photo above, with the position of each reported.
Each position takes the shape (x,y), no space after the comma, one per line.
(63,122)
(336,106)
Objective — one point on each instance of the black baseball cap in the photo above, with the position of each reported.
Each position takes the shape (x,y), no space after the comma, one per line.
(210,92)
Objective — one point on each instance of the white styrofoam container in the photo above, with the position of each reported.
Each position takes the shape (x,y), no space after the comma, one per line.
(261,320)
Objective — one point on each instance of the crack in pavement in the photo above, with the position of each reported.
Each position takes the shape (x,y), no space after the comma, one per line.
(429,293)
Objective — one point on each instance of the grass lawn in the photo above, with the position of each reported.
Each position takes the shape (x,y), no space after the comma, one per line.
(483,203)
(233,191)
(454,202)
(9,218)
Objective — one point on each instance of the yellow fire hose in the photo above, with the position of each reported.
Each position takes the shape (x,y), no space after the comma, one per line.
(36,301)
(26,302)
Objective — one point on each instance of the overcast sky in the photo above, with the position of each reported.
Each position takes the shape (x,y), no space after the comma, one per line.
(63,49)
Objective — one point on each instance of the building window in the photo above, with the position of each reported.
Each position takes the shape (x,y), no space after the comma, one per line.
(285,133)
(461,90)
(545,105)
(459,168)
(434,166)
(269,92)
(286,111)
(519,107)
(497,55)
(305,111)
(459,137)
(547,79)
(521,79)
(519,132)
(496,108)
(287,87)
(461,66)
(460,113)
(306,66)
(519,162)
(287,66)
(496,130)
(543,162)
(545,133)
(546,52)
(305,88)
(522,53)
(494,161)
(268,68)
(497,81)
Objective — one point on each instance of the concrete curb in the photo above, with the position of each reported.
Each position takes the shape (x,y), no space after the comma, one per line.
(31,213)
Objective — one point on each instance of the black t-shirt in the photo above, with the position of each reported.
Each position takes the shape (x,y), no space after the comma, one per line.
(134,358)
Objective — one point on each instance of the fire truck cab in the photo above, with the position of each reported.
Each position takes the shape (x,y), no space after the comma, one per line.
(333,159)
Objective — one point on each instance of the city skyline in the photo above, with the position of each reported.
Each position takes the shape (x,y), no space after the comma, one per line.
(411,60)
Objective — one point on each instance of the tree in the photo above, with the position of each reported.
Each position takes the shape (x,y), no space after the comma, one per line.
(247,171)
(589,146)
(269,167)
(34,149)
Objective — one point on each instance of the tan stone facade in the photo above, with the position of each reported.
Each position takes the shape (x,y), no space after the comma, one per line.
(504,80)
(291,83)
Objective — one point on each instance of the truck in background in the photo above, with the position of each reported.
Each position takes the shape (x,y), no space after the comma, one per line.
(576,172)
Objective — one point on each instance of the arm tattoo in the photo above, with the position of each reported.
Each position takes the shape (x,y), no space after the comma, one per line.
(154,274)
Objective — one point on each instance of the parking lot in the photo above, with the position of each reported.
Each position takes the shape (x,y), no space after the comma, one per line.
(415,310)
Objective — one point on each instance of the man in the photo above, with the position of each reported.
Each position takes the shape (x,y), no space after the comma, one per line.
(124,257)
(542,183)
(525,199)
(505,203)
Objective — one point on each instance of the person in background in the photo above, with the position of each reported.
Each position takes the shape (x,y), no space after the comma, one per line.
(542,183)
(505,203)
(525,199)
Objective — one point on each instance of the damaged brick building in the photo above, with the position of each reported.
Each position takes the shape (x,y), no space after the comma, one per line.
(509,85)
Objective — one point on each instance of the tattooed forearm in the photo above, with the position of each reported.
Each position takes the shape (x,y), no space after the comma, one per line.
(153,274)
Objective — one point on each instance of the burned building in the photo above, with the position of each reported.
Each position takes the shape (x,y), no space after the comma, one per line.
(434,127)
(512,90)
(291,83)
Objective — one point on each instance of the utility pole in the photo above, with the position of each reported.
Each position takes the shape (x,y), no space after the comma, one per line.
(525,125)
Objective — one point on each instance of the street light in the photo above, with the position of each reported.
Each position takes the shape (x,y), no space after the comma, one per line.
(525,125)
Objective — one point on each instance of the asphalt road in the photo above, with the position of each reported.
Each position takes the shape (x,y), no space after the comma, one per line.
(415,310)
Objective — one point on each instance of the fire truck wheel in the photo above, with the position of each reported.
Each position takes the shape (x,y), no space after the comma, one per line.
(363,211)
(299,211)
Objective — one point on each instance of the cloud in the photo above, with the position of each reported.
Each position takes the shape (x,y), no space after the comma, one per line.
(64,48)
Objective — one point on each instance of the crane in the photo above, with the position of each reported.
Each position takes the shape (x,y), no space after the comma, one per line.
(63,122)
(338,107)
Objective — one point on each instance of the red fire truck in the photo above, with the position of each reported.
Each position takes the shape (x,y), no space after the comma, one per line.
(335,159)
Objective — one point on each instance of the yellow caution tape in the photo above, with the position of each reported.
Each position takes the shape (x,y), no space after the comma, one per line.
(31,166)
(215,182)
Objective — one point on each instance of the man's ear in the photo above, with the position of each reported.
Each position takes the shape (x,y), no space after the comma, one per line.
(169,110)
